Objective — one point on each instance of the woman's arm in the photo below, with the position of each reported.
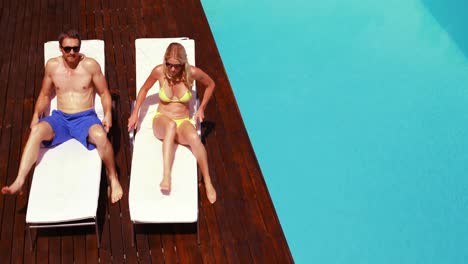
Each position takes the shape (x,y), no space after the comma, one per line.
(150,81)
(200,76)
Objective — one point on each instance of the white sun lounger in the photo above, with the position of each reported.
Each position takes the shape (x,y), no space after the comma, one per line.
(65,185)
(147,203)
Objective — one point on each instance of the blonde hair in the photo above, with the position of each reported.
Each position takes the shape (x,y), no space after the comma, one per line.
(177,51)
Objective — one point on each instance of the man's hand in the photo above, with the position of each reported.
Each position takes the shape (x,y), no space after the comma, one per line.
(107,122)
(34,121)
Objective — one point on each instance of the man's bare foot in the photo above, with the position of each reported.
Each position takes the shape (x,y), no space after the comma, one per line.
(165,185)
(15,188)
(115,190)
(210,193)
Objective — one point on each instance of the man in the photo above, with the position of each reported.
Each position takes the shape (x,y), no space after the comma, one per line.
(74,79)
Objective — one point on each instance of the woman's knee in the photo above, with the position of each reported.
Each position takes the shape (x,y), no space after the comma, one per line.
(194,140)
(161,130)
(171,127)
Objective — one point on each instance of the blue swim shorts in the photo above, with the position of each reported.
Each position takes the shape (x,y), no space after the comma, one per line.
(68,126)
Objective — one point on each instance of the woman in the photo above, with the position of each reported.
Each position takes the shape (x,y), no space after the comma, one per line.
(172,123)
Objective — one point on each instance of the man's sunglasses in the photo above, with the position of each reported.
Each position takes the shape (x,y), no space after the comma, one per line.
(68,49)
(176,66)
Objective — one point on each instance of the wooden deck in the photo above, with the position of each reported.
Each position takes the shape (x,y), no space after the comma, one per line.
(241,227)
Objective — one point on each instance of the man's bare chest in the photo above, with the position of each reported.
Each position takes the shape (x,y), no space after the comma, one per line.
(71,81)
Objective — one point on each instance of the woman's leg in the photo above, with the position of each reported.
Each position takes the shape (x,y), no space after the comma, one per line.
(165,129)
(187,135)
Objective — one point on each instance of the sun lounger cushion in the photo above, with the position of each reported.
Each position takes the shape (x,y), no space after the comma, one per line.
(147,203)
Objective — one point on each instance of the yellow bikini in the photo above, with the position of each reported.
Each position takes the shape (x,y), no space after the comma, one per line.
(177,121)
(184,99)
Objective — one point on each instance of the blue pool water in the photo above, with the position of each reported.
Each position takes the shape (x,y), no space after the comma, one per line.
(358,114)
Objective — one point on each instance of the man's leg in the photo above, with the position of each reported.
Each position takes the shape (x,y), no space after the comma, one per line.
(39,132)
(98,136)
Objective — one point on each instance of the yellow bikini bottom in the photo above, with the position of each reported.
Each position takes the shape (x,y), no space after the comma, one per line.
(178,121)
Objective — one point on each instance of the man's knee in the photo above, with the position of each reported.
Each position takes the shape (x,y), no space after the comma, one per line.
(98,135)
(41,131)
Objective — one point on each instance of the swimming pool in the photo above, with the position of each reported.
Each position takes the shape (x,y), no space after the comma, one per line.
(358,115)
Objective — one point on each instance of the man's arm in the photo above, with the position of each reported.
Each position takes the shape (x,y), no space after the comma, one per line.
(46,94)
(100,84)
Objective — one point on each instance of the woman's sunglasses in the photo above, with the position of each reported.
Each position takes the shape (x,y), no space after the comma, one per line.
(176,66)
(68,49)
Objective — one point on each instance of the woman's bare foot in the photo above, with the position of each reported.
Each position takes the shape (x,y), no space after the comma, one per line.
(165,185)
(210,193)
(14,188)
(115,190)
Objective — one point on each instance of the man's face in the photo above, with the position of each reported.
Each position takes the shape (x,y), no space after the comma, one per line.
(70,50)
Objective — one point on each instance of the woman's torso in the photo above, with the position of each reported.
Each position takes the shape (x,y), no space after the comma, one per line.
(174,99)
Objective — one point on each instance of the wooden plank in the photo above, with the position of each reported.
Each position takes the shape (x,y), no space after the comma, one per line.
(117,46)
(142,247)
(211,243)
(154,242)
(52,20)
(54,245)
(262,251)
(67,254)
(92,252)
(90,32)
(38,36)
(110,58)
(67,5)
(79,247)
(115,232)
(115,224)
(10,230)
(74,18)
(103,220)
(186,243)
(124,171)
(29,255)
(168,243)
(21,127)
(7,26)
(105,256)
(98,18)
(231,252)
(42,37)
(42,247)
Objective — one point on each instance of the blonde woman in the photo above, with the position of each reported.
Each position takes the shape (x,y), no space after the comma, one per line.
(172,123)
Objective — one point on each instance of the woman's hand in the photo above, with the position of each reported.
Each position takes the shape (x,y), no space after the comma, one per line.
(200,114)
(132,121)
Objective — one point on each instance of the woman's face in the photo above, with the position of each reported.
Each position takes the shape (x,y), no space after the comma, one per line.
(174,67)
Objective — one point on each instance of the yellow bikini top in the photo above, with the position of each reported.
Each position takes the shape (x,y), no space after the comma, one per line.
(184,99)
